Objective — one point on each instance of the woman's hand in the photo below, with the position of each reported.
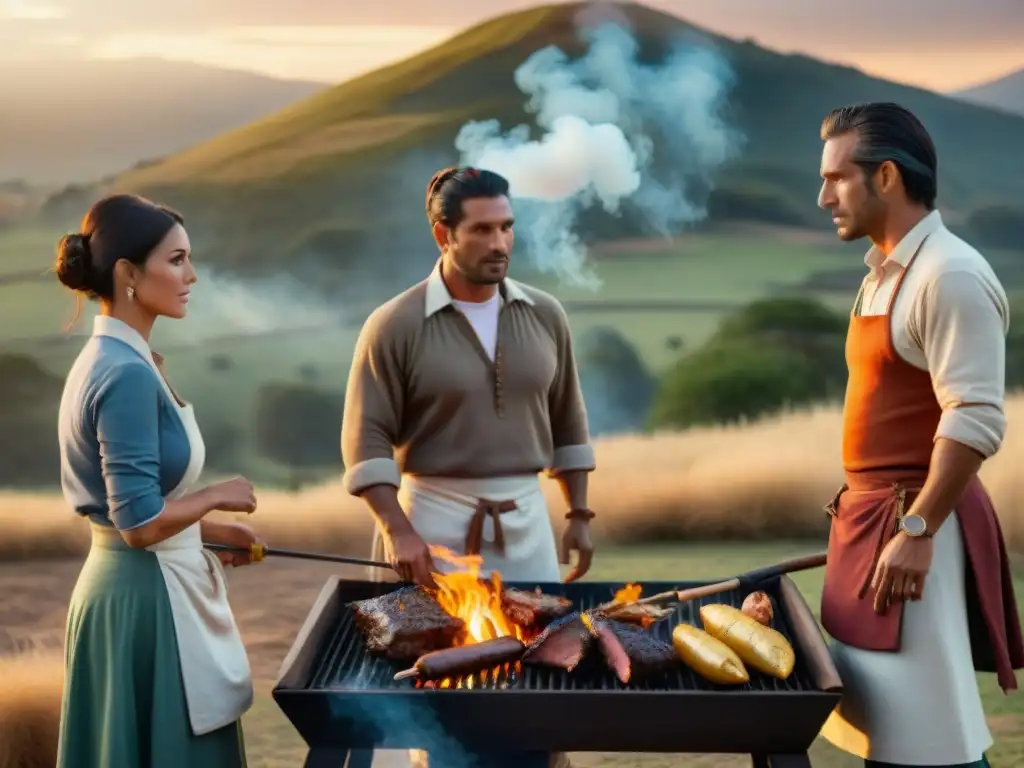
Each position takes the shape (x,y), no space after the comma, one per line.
(235,495)
(232,535)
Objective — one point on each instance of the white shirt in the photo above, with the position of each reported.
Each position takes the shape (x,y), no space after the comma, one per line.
(483,316)
(950,318)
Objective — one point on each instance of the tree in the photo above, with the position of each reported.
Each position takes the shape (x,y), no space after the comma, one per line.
(734,381)
(616,385)
(30,397)
(299,426)
(769,355)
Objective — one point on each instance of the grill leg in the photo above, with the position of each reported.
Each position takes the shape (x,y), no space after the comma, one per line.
(781,761)
(339,758)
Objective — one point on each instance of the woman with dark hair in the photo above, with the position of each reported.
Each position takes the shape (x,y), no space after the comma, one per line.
(155,671)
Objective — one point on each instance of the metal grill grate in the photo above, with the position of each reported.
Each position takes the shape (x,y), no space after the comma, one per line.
(346,665)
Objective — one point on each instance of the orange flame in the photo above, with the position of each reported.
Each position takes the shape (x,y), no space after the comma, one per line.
(462,593)
(628,594)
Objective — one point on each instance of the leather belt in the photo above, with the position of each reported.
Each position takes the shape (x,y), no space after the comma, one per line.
(475,534)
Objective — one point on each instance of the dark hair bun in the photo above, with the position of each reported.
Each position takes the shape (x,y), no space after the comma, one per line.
(74,262)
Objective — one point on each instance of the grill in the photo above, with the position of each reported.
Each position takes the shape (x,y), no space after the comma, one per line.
(345,703)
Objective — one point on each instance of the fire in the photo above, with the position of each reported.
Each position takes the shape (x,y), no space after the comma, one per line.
(466,596)
(628,594)
(463,594)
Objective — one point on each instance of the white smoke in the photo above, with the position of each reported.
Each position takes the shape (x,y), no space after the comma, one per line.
(224,307)
(601,117)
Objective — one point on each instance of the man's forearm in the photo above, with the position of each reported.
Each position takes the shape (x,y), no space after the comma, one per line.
(574,486)
(953,465)
(383,503)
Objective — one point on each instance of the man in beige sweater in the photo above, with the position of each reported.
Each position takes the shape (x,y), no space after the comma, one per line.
(464,388)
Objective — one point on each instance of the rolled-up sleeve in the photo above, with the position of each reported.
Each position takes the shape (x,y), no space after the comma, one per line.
(570,432)
(373,409)
(963,324)
(128,430)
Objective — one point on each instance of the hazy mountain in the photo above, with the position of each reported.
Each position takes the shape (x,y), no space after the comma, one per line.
(1005,93)
(81,120)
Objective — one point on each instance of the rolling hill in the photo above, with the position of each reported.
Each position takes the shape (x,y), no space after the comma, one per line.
(1006,93)
(79,121)
(338,178)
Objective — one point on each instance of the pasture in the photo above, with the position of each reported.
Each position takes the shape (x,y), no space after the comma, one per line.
(666,504)
(663,297)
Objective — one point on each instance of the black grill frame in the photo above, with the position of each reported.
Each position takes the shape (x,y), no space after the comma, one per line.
(550,711)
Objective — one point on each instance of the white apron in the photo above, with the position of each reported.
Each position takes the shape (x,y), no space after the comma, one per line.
(921,705)
(440,510)
(215,667)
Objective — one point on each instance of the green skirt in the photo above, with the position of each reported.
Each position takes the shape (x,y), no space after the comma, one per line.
(124,701)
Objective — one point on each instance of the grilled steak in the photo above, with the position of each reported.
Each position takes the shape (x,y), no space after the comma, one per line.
(405,624)
(562,644)
(630,651)
(533,610)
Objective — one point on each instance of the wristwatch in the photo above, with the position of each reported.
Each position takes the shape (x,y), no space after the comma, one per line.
(914,526)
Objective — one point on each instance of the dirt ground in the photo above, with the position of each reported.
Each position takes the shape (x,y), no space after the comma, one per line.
(270,599)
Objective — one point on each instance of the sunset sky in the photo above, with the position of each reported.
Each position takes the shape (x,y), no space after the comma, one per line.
(938,44)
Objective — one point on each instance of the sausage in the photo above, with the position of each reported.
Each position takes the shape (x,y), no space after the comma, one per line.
(465,659)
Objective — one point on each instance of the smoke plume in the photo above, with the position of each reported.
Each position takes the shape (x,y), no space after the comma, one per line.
(602,118)
(224,306)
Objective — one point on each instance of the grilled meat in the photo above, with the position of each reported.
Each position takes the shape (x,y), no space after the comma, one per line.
(562,644)
(406,624)
(630,651)
(533,610)
(465,659)
(632,613)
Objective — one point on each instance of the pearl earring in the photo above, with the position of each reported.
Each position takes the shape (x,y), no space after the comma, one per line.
(131,293)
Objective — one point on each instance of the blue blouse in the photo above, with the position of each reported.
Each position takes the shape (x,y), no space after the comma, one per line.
(123,446)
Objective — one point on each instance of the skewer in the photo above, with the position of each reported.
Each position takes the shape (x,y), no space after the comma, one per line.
(750,577)
(260,552)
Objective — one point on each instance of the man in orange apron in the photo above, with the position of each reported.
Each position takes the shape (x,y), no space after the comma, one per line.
(917,593)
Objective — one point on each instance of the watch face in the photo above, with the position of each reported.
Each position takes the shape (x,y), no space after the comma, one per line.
(913,525)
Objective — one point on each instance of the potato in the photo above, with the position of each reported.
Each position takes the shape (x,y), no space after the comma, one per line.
(708,657)
(761,647)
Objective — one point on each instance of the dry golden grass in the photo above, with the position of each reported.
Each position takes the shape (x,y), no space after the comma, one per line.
(30,709)
(766,480)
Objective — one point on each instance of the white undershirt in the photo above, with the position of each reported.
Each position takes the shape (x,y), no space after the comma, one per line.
(483,316)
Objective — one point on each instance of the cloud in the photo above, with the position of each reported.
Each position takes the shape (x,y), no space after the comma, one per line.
(32,10)
(328,54)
